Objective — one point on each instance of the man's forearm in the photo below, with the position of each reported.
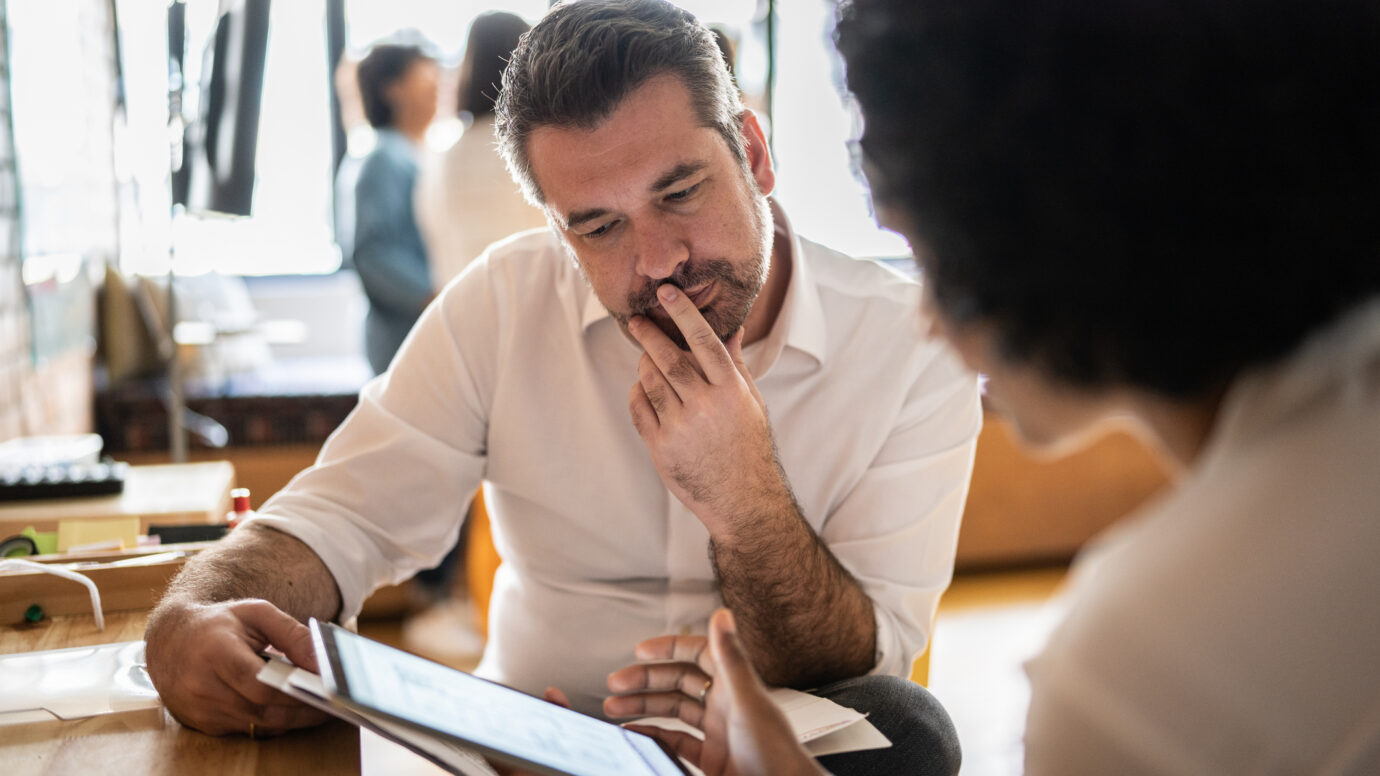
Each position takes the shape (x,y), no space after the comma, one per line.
(801,615)
(258,562)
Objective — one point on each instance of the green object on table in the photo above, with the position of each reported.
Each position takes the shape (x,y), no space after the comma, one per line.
(46,541)
(33,614)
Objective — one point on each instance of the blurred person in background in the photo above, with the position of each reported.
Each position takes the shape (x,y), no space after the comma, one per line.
(397,86)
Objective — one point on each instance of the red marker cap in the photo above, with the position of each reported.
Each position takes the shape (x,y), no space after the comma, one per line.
(240,497)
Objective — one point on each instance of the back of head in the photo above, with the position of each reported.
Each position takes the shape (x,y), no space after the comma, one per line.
(382,67)
(579,62)
(1156,194)
(492,38)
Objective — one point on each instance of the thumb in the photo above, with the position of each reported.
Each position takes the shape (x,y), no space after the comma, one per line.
(735,672)
(281,630)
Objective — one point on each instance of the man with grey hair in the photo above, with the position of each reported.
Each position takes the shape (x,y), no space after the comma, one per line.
(610,381)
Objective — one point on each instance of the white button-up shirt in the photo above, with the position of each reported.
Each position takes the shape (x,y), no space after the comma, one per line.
(519,377)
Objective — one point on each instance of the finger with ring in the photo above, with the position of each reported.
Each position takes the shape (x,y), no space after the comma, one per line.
(705,689)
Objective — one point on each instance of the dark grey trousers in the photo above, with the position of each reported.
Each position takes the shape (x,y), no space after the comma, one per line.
(923,739)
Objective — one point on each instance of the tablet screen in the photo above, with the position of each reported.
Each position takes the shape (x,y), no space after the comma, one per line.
(426,694)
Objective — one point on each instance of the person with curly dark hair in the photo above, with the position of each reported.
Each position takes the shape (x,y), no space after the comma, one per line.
(1162,212)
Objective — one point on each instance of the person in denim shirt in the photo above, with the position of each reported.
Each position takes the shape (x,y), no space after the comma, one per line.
(398,87)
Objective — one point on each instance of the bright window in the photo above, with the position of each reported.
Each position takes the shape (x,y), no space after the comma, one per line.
(289,229)
(816,181)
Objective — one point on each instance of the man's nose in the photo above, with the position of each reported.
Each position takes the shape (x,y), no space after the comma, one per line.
(660,251)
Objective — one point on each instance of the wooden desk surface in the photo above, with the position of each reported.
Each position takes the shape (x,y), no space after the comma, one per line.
(165,494)
(151,741)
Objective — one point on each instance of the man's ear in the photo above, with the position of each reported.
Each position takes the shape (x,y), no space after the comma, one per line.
(758,154)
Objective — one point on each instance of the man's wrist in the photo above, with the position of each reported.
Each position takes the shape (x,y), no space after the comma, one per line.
(766,510)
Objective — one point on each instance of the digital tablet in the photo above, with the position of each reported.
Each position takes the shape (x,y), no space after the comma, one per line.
(507,726)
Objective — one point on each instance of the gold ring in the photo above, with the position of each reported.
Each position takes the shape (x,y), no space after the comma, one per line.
(251,730)
(705,689)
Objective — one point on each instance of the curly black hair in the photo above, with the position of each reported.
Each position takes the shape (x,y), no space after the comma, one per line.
(1155,194)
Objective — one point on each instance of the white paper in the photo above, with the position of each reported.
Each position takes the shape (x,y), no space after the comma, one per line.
(824,727)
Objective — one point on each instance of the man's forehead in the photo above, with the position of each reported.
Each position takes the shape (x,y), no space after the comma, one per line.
(653,132)
(611,183)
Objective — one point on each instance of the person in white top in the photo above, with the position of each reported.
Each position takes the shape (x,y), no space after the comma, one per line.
(466,200)
(674,402)
(1161,212)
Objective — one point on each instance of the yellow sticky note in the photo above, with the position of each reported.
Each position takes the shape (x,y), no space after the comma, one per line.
(76,533)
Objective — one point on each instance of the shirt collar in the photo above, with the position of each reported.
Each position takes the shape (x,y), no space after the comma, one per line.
(799,325)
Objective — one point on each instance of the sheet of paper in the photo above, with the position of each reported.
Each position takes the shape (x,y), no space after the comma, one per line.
(824,727)
(811,716)
(854,738)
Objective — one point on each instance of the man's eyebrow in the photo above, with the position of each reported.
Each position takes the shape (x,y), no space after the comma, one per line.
(585,216)
(678,173)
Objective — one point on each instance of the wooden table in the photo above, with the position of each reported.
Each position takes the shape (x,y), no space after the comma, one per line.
(162,495)
(151,741)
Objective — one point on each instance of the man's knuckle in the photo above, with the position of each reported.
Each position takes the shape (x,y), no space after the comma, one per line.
(681,372)
(704,336)
(659,398)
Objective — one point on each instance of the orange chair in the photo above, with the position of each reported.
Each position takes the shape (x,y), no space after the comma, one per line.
(481,561)
(920,669)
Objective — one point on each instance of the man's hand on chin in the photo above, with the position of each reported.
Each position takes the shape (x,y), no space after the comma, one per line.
(702,418)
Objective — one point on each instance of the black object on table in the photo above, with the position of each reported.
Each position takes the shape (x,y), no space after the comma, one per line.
(65,480)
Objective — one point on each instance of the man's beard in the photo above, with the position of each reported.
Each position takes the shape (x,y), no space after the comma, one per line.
(732,298)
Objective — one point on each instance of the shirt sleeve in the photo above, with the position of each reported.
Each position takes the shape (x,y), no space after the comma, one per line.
(897,530)
(390,262)
(390,489)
